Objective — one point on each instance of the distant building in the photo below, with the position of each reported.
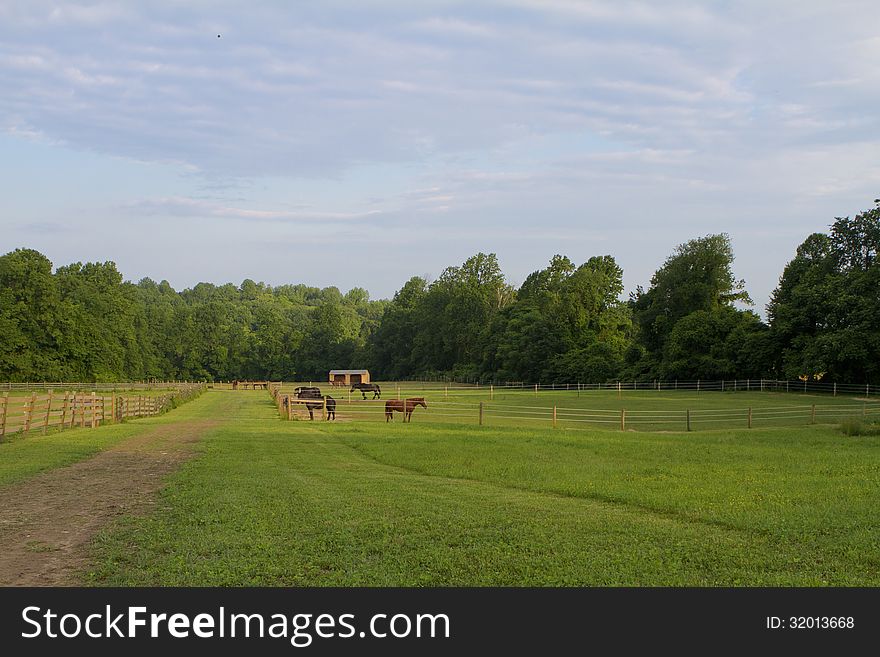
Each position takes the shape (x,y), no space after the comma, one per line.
(348,377)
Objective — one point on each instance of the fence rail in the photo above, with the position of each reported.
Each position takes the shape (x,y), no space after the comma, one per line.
(70,409)
(97,387)
(507,413)
(723,385)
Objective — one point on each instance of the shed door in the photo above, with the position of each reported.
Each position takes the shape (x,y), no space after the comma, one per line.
(355,378)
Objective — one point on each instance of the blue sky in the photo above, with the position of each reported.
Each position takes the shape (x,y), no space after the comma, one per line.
(359,144)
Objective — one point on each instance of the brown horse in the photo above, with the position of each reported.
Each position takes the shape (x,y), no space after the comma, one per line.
(405,407)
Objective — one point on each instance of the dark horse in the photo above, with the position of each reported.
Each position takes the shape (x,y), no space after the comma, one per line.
(312,392)
(330,405)
(367,387)
(406,407)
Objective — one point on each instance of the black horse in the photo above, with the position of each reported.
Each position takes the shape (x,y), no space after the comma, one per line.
(330,405)
(311,392)
(367,387)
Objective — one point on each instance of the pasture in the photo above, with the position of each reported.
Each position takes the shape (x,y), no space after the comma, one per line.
(639,410)
(271,502)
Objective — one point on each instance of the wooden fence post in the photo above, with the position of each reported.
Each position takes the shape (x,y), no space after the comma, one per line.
(750,417)
(492,391)
(623,419)
(64,409)
(82,411)
(481,413)
(835,388)
(290,406)
(813,414)
(48,410)
(4,406)
(689,419)
(398,396)
(554,417)
(536,390)
(29,413)
(94,409)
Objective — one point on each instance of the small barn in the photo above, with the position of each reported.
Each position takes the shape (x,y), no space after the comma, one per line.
(349,377)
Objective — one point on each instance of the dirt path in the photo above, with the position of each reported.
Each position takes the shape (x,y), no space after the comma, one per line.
(47,521)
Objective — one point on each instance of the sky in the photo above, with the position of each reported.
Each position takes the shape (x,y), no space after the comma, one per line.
(363,143)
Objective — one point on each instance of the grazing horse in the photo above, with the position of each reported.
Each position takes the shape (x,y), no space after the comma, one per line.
(311,392)
(330,405)
(406,407)
(367,387)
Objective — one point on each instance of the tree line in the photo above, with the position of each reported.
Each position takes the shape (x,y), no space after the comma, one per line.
(565,323)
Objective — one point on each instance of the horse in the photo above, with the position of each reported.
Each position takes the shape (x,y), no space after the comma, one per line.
(330,405)
(235,385)
(311,392)
(405,407)
(367,387)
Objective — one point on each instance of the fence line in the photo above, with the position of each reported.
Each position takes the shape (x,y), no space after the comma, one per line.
(723,385)
(69,409)
(98,387)
(487,412)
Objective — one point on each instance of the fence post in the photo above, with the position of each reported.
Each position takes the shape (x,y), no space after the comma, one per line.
(536,390)
(48,410)
(3,419)
(750,417)
(813,414)
(82,411)
(676,384)
(835,388)
(481,413)
(491,391)
(290,405)
(94,409)
(446,393)
(30,412)
(689,419)
(554,416)
(698,385)
(398,396)
(623,419)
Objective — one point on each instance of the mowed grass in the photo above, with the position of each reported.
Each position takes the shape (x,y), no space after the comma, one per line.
(646,410)
(25,455)
(269,502)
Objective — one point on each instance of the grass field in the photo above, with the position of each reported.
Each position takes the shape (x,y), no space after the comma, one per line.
(270,502)
(645,410)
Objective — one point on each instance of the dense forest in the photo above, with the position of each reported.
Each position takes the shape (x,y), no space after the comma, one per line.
(565,323)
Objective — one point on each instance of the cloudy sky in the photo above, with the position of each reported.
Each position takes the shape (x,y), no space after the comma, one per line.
(361,143)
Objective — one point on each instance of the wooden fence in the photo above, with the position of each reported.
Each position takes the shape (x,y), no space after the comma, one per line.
(68,410)
(120,386)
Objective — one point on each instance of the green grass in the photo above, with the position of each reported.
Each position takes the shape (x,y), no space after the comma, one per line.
(646,410)
(270,502)
(25,455)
